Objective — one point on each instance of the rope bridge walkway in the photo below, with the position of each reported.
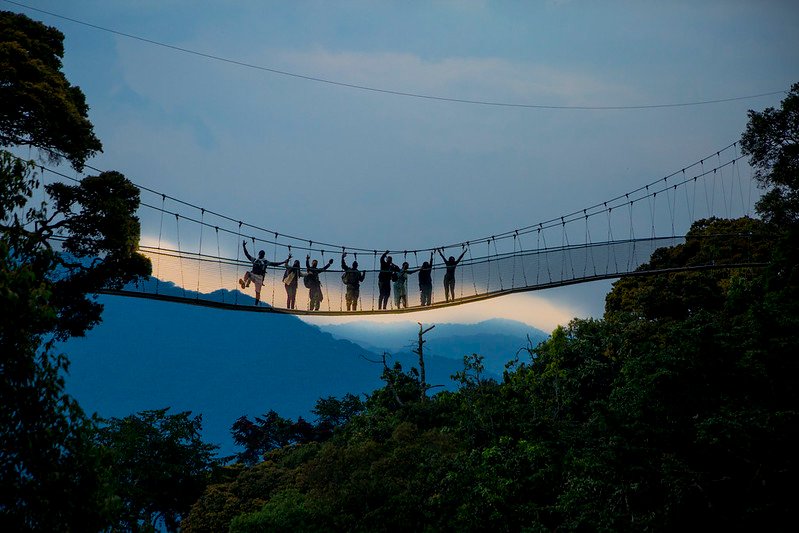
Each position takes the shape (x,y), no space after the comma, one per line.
(199,259)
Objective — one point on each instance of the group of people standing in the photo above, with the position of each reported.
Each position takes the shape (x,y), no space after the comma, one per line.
(389,275)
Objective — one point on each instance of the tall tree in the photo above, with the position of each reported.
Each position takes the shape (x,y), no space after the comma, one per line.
(54,257)
(160,466)
(38,106)
(771,140)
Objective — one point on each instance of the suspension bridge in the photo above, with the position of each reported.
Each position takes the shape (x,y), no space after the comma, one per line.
(194,262)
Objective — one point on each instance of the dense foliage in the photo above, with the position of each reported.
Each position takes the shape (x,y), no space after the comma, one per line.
(679,409)
(38,106)
(159,466)
(655,417)
(54,255)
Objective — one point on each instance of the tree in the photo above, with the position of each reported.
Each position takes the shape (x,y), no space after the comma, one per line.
(678,295)
(54,257)
(160,466)
(333,413)
(771,140)
(271,431)
(38,106)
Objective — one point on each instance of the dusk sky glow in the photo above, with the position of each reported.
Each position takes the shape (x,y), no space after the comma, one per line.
(341,164)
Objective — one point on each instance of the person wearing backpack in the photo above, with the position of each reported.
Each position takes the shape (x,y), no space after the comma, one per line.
(426,281)
(401,286)
(258,271)
(352,279)
(388,271)
(312,282)
(290,280)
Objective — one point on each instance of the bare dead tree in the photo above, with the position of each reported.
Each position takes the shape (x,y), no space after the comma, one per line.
(390,381)
(420,352)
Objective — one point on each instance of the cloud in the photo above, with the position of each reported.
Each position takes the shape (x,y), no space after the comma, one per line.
(485,79)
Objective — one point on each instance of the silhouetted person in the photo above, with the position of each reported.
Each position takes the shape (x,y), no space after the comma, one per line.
(449,276)
(426,281)
(387,269)
(291,279)
(352,279)
(256,275)
(401,286)
(313,283)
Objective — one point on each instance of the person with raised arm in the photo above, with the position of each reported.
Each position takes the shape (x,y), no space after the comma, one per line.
(387,272)
(426,281)
(449,275)
(290,280)
(401,285)
(352,278)
(313,283)
(258,271)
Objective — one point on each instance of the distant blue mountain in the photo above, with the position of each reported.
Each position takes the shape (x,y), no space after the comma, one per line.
(221,364)
(497,340)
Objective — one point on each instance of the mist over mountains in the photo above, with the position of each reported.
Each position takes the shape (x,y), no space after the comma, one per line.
(150,354)
(497,340)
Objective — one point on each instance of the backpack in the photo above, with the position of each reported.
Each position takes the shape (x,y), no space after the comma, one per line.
(350,277)
(259,267)
(307,281)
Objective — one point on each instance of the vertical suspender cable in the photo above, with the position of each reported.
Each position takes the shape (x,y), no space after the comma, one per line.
(632,238)
(219,262)
(471,266)
(499,265)
(360,300)
(612,246)
(723,189)
(652,210)
(672,201)
(325,292)
(200,253)
(569,248)
(563,249)
(590,247)
(416,265)
(252,240)
(374,275)
(748,204)
(297,276)
(344,288)
(158,260)
(488,265)
(688,205)
(513,266)
(405,260)
(744,204)
(180,255)
(238,265)
(704,186)
(546,257)
(522,253)
(275,273)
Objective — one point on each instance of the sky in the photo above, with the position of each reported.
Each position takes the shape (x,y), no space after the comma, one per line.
(368,168)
